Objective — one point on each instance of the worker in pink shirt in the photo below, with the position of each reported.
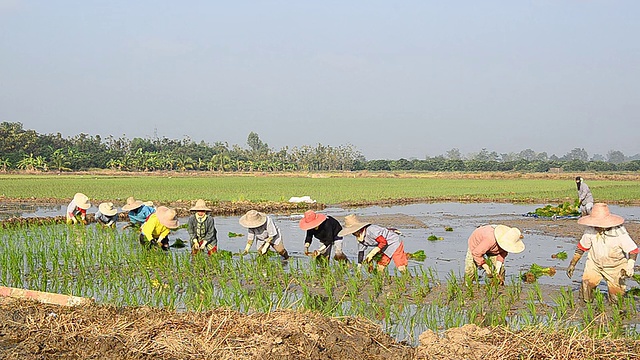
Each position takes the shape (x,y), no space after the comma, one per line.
(493,242)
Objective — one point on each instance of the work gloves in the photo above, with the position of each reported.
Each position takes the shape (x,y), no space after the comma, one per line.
(371,254)
(306,249)
(265,247)
(487,270)
(246,249)
(572,264)
(629,269)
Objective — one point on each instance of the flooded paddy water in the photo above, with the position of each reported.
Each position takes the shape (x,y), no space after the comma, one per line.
(447,302)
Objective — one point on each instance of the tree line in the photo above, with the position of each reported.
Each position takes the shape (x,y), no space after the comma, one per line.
(28,150)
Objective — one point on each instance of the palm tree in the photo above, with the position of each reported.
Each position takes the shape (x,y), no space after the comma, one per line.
(27,163)
(5,164)
(59,161)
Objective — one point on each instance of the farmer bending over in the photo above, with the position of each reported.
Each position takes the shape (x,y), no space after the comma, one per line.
(495,242)
(612,252)
(325,229)
(202,230)
(138,211)
(155,231)
(262,228)
(107,215)
(77,209)
(382,240)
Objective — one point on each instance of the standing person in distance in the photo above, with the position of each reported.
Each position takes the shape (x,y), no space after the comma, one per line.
(584,196)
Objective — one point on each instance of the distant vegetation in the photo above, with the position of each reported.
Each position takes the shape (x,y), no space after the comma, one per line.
(30,151)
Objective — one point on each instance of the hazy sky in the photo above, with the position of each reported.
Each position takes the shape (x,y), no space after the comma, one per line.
(393,78)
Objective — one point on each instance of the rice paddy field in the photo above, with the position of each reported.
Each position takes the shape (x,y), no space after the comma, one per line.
(324,189)
(110,266)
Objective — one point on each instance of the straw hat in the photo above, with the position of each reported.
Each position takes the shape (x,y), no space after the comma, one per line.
(131,204)
(167,217)
(351,225)
(311,220)
(200,206)
(252,219)
(601,217)
(148,203)
(108,209)
(82,201)
(508,238)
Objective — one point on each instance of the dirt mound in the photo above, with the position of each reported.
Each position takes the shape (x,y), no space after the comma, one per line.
(30,330)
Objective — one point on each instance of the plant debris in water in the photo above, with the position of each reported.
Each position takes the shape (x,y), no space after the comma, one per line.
(536,271)
(232,234)
(417,256)
(564,209)
(448,228)
(562,255)
(434,238)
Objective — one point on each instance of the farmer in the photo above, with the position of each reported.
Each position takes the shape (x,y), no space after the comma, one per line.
(77,209)
(202,230)
(325,229)
(494,242)
(262,228)
(138,211)
(107,215)
(612,252)
(155,231)
(584,196)
(382,240)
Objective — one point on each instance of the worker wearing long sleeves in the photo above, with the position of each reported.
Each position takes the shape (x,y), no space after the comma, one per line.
(262,228)
(138,211)
(380,239)
(584,196)
(612,252)
(107,215)
(494,242)
(77,209)
(325,228)
(155,231)
(202,230)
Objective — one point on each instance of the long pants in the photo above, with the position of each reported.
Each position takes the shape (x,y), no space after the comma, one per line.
(471,268)
(594,273)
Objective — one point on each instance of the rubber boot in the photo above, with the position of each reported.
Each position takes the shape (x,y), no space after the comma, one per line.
(284,254)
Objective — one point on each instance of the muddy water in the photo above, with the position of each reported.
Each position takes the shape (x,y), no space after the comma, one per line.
(417,222)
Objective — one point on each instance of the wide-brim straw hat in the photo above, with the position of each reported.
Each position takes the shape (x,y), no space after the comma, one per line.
(167,217)
(132,204)
(351,225)
(311,219)
(601,217)
(200,205)
(82,201)
(107,208)
(509,238)
(252,219)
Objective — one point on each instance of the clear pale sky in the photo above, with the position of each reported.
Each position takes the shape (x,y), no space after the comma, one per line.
(393,78)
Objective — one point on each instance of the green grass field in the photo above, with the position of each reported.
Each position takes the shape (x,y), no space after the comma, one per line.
(331,190)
